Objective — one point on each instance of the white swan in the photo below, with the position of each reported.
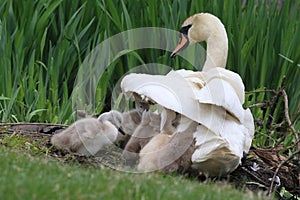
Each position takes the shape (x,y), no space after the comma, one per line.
(88,135)
(213,98)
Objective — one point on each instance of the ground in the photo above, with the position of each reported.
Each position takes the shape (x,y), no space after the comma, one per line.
(255,173)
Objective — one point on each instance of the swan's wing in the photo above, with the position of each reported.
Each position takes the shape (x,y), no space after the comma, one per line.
(169,91)
(173,92)
(219,92)
(216,154)
(220,153)
(231,77)
(214,158)
(249,125)
(200,79)
(195,79)
(219,87)
(209,106)
(206,143)
(233,134)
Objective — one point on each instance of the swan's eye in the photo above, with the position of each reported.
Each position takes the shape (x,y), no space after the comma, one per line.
(185,29)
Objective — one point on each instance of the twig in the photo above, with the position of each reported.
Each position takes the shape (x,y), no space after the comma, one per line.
(287,116)
(34,124)
(256,177)
(278,168)
(274,103)
(292,146)
(258,91)
(258,105)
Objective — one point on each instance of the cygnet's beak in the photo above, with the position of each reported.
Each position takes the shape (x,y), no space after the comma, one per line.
(121,131)
(183,43)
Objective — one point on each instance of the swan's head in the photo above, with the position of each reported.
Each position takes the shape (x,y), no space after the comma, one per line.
(198,28)
(114,118)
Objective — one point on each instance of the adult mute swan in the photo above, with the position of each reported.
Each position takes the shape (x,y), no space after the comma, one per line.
(213,98)
(88,135)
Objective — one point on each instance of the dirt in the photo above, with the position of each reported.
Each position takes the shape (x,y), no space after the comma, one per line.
(255,173)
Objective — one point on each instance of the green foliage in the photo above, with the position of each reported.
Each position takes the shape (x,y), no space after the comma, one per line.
(18,141)
(27,177)
(43,44)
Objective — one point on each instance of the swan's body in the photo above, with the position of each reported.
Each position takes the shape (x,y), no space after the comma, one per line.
(213,98)
(130,121)
(169,153)
(147,129)
(167,120)
(87,136)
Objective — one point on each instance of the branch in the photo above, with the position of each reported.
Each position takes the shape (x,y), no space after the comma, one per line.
(258,91)
(258,105)
(31,124)
(287,116)
(277,170)
(256,177)
(274,102)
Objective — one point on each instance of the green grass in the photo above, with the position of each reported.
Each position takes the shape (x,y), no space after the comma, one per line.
(29,177)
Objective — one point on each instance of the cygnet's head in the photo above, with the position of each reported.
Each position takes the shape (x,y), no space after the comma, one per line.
(114,117)
(141,106)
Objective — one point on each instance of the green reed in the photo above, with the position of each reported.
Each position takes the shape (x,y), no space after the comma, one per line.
(44,43)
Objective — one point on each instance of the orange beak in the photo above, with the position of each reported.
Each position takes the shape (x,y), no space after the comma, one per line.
(183,43)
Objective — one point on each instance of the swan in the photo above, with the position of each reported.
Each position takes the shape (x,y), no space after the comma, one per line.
(151,125)
(169,152)
(212,98)
(88,135)
(129,122)
(148,128)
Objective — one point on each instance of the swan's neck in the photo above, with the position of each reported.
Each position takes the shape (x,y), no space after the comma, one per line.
(217,49)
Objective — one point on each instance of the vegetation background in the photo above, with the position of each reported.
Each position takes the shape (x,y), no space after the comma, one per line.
(43,44)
